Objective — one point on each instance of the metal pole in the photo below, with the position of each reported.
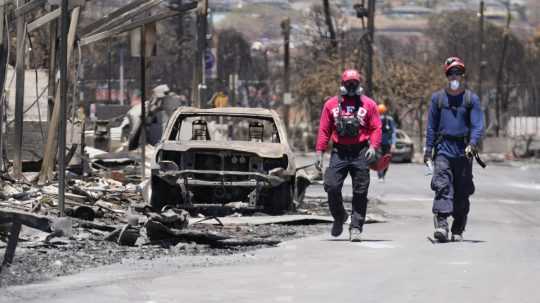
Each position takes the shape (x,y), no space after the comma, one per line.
(286,27)
(482,63)
(143,99)
(371,34)
(122,95)
(204,29)
(19,95)
(109,72)
(500,72)
(63,106)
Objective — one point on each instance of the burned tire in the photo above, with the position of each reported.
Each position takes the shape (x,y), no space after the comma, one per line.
(279,199)
(164,194)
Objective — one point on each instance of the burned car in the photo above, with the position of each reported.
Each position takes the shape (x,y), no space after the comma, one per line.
(221,155)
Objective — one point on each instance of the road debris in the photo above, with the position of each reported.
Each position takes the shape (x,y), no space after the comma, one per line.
(109,219)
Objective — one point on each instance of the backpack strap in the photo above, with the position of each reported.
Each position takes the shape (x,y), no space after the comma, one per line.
(441,98)
(467,103)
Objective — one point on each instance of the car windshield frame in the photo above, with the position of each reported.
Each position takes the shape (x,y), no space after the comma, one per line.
(176,130)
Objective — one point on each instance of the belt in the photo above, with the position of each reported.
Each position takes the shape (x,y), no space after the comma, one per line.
(455,138)
(350,147)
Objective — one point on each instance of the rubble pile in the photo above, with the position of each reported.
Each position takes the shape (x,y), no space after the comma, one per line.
(107,220)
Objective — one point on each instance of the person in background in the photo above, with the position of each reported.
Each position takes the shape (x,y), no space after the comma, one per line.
(388,142)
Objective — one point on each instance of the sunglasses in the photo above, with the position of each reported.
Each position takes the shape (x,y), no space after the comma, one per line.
(455,72)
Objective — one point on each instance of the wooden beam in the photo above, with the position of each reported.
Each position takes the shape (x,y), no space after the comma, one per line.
(53,26)
(128,16)
(125,28)
(53,15)
(46,173)
(28,7)
(133,25)
(115,14)
(43,20)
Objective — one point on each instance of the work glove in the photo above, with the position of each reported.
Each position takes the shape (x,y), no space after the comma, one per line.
(370,154)
(319,161)
(471,151)
(427,156)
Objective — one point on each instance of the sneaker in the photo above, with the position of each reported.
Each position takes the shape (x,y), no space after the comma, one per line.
(441,235)
(337,227)
(441,228)
(457,238)
(355,235)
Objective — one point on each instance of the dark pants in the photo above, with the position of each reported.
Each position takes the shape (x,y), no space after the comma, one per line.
(345,161)
(385,149)
(453,185)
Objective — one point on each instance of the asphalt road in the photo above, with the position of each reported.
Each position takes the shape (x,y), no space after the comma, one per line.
(498,262)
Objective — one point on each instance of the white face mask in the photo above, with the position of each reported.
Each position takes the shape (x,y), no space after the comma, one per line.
(454,85)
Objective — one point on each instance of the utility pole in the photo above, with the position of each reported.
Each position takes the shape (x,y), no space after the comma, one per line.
(143,100)
(63,105)
(371,37)
(3,64)
(500,72)
(199,82)
(121,95)
(330,25)
(19,94)
(482,62)
(286,31)
(109,71)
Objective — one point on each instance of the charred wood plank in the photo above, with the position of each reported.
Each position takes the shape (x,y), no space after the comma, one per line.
(247,242)
(93,225)
(39,22)
(157,231)
(31,220)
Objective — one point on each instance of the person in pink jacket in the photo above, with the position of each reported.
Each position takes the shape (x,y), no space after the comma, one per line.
(351,121)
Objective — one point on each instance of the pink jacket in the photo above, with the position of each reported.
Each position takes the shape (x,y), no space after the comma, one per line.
(368,115)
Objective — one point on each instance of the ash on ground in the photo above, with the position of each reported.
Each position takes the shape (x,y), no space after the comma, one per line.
(38,260)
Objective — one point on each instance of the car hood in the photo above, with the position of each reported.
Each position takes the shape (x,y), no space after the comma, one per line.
(265,150)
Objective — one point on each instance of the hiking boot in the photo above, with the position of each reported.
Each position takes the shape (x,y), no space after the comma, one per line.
(458,226)
(337,227)
(457,238)
(441,228)
(355,235)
